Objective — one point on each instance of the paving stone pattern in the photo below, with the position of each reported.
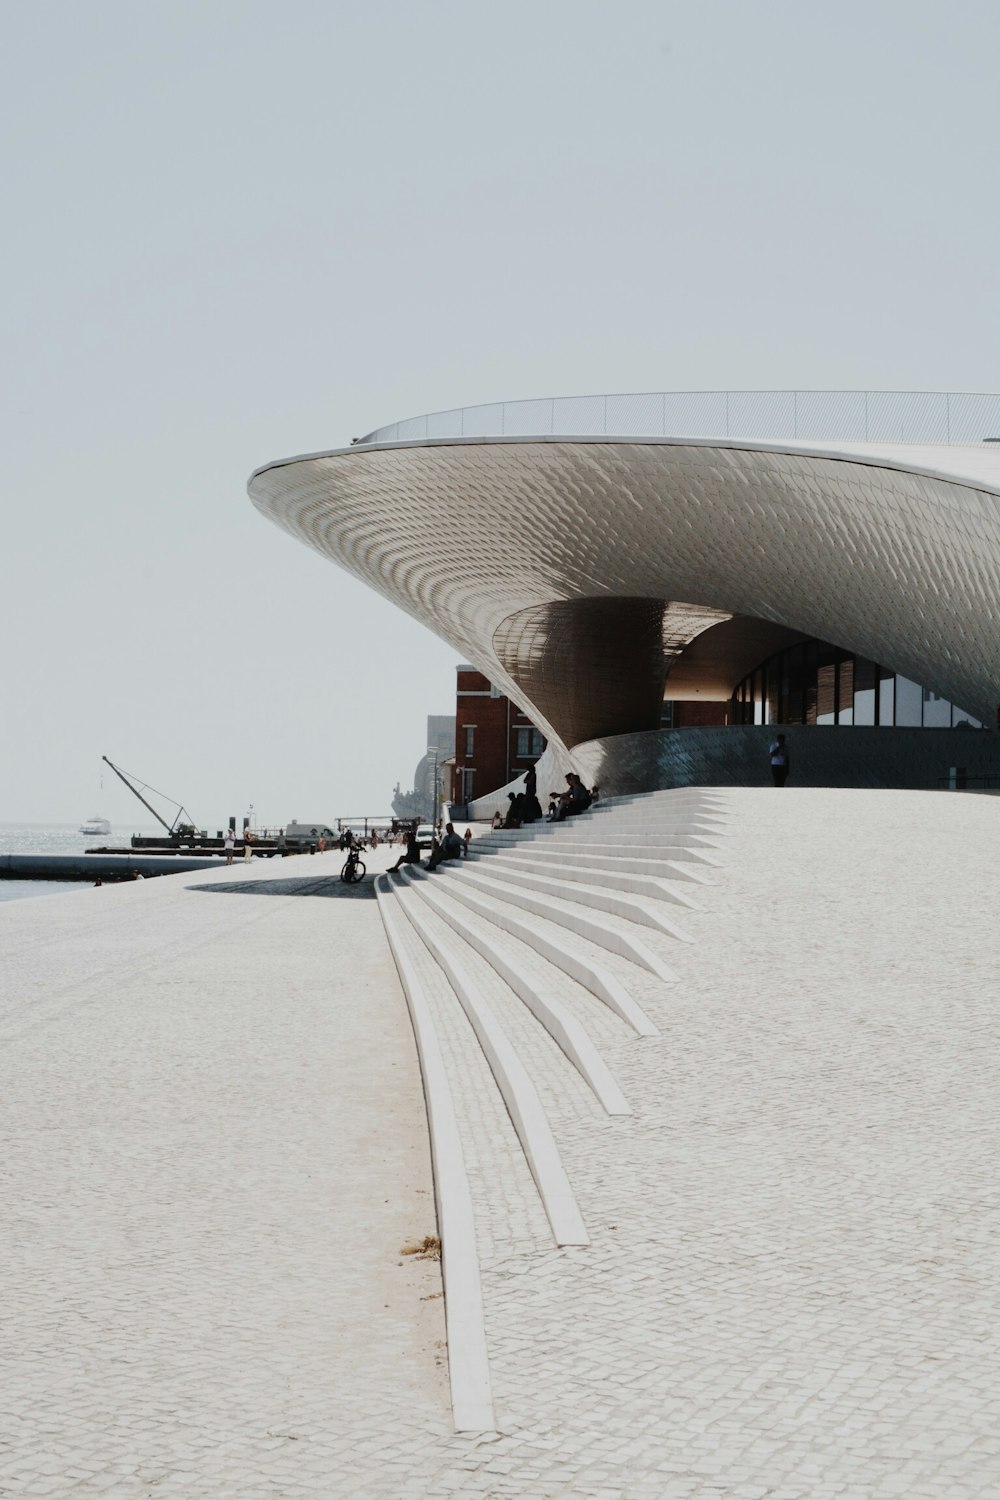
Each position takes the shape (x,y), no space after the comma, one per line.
(791,1291)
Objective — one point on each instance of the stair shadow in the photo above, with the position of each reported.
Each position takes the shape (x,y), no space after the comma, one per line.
(330,885)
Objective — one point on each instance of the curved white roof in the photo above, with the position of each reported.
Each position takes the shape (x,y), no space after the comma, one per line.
(545,559)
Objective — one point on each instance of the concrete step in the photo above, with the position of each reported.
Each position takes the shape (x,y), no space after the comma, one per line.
(553,943)
(468,1362)
(575,919)
(697,835)
(664,869)
(534,861)
(550,1011)
(652,847)
(513,1080)
(599,897)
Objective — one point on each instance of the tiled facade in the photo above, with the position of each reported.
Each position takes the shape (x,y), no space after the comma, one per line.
(643,549)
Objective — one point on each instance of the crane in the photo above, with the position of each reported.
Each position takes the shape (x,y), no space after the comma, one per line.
(137,791)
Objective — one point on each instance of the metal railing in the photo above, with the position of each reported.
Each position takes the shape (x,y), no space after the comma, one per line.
(818,416)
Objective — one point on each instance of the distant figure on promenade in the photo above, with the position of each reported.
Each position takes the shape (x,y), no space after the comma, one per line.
(467,836)
(322,843)
(247,842)
(497,819)
(532,810)
(595,794)
(228,844)
(778,751)
(412,855)
(374,838)
(452,846)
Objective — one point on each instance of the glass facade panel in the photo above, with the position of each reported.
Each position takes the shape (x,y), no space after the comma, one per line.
(758,698)
(909,704)
(771,706)
(810,688)
(864,691)
(845,690)
(826,685)
(816,683)
(937,711)
(794,705)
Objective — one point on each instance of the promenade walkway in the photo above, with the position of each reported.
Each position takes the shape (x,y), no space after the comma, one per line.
(790,1290)
(213,1149)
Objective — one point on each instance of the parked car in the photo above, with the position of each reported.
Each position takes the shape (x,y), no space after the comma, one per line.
(425,835)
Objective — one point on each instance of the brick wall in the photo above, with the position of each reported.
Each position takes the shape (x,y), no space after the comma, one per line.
(486,737)
(698,713)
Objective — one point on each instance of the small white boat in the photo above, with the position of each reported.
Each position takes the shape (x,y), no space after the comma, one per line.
(96,826)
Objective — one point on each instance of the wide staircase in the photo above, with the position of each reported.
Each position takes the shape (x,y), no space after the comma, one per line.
(532,970)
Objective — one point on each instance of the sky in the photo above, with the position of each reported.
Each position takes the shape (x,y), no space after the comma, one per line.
(238,230)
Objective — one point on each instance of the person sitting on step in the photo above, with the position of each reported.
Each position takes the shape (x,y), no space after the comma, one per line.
(452,846)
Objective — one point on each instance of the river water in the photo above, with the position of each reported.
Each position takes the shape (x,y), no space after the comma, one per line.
(53,838)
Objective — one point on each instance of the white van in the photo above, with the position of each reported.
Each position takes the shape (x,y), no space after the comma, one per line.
(301,835)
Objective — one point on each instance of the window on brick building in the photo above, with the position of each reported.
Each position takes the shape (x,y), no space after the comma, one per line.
(470,739)
(529,743)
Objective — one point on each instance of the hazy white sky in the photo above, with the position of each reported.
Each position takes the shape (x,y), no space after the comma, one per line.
(237,230)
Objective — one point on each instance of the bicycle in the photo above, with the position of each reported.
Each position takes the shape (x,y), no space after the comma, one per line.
(353,867)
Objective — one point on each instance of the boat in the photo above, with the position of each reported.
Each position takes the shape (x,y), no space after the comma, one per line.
(96,826)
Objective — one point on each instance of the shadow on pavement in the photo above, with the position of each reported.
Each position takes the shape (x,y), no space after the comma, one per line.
(330,885)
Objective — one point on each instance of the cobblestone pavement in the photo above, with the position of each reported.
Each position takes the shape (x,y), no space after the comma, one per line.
(791,1292)
(213,1149)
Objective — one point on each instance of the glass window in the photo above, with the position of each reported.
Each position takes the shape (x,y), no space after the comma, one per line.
(795,691)
(937,711)
(845,691)
(909,703)
(758,698)
(529,743)
(886,696)
(809,705)
(771,704)
(959,716)
(470,739)
(864,690)
(826,685)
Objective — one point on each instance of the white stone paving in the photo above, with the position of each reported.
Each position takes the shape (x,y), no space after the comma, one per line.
(792,1288)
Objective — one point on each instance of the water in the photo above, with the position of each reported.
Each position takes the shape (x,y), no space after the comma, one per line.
(54,838)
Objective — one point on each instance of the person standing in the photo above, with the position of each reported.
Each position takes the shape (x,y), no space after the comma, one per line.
(247,840)
(532,807)
(778,752)
(228,844)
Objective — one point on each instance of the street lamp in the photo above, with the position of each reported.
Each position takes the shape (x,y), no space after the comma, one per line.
(432,756)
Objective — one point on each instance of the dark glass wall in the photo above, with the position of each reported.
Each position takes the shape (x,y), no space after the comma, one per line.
(816,683)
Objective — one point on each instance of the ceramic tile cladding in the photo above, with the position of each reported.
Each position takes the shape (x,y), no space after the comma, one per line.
(576,555)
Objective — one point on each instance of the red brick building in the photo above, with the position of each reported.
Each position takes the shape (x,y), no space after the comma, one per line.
(494,740)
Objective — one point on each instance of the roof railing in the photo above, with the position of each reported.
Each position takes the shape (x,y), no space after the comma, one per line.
(948,417)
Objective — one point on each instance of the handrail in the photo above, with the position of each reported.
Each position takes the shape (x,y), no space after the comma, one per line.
(948,417)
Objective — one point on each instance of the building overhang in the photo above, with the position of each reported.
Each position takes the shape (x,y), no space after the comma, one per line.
(581,574)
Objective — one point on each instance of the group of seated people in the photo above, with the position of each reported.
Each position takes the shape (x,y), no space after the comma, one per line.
(452,846)
(525,808)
